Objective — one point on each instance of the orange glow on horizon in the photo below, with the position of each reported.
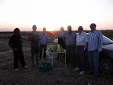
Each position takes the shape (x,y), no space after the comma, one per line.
(52,33)
(53,14)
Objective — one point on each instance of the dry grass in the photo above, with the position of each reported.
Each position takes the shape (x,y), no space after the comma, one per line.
(33,75)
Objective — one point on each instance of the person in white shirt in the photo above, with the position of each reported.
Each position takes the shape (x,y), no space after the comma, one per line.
(81,44)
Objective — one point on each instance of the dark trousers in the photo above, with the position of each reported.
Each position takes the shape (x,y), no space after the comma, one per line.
(43,46)
(80,57)
(70,55)
(18,55)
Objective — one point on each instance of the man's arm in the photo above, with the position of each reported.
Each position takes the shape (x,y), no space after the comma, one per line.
(100,42)
(21,39)
(86,41)
(10,44)
(29,36)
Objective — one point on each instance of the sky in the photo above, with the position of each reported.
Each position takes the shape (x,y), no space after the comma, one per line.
(53,14)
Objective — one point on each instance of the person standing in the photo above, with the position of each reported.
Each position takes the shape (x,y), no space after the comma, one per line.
(60,38)
(69,38)
(15,42)
(95,42)
(81,44)
(43,43)
(34,38)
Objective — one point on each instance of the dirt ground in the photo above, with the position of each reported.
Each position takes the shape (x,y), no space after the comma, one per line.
(34,76)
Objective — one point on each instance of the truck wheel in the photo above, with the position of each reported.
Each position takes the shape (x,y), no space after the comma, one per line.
(106,65)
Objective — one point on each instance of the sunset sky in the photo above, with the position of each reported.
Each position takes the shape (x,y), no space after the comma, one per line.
(53,14)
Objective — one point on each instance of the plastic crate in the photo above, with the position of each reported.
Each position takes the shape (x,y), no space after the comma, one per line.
(45,66)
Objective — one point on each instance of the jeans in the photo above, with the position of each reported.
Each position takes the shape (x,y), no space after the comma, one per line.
(43,46)
(93,58)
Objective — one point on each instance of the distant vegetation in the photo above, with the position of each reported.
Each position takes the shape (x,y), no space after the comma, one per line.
(108,33)
(51,34)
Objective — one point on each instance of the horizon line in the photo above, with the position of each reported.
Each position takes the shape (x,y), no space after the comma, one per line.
(59,30)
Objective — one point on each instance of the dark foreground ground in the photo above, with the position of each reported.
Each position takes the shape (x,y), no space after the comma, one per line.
(33,76)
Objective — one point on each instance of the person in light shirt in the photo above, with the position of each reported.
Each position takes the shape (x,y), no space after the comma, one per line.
(95,41)
(81,44)
(43,43)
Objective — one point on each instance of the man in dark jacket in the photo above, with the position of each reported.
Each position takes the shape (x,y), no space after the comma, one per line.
(15,42)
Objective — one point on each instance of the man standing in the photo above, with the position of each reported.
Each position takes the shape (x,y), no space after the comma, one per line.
(15,42)
(34,38)
(81,44)
(43,43)
(70,46)
(95,42)
(60,37)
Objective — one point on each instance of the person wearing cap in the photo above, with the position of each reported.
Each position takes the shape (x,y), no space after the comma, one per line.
(69,38)
(15,42)
(81,44)
(43,43)
(95,42)
(34,38)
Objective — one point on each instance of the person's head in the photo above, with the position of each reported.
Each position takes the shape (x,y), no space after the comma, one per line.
(69,28)
(55,41)
(44,29)
(80,29)
(93,26)
(34,27)
(61,29)
(16,31)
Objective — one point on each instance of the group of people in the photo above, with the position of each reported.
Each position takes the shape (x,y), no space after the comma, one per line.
(74,43)
(38,43)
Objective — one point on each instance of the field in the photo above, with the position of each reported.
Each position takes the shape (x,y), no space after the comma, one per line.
(33,76)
